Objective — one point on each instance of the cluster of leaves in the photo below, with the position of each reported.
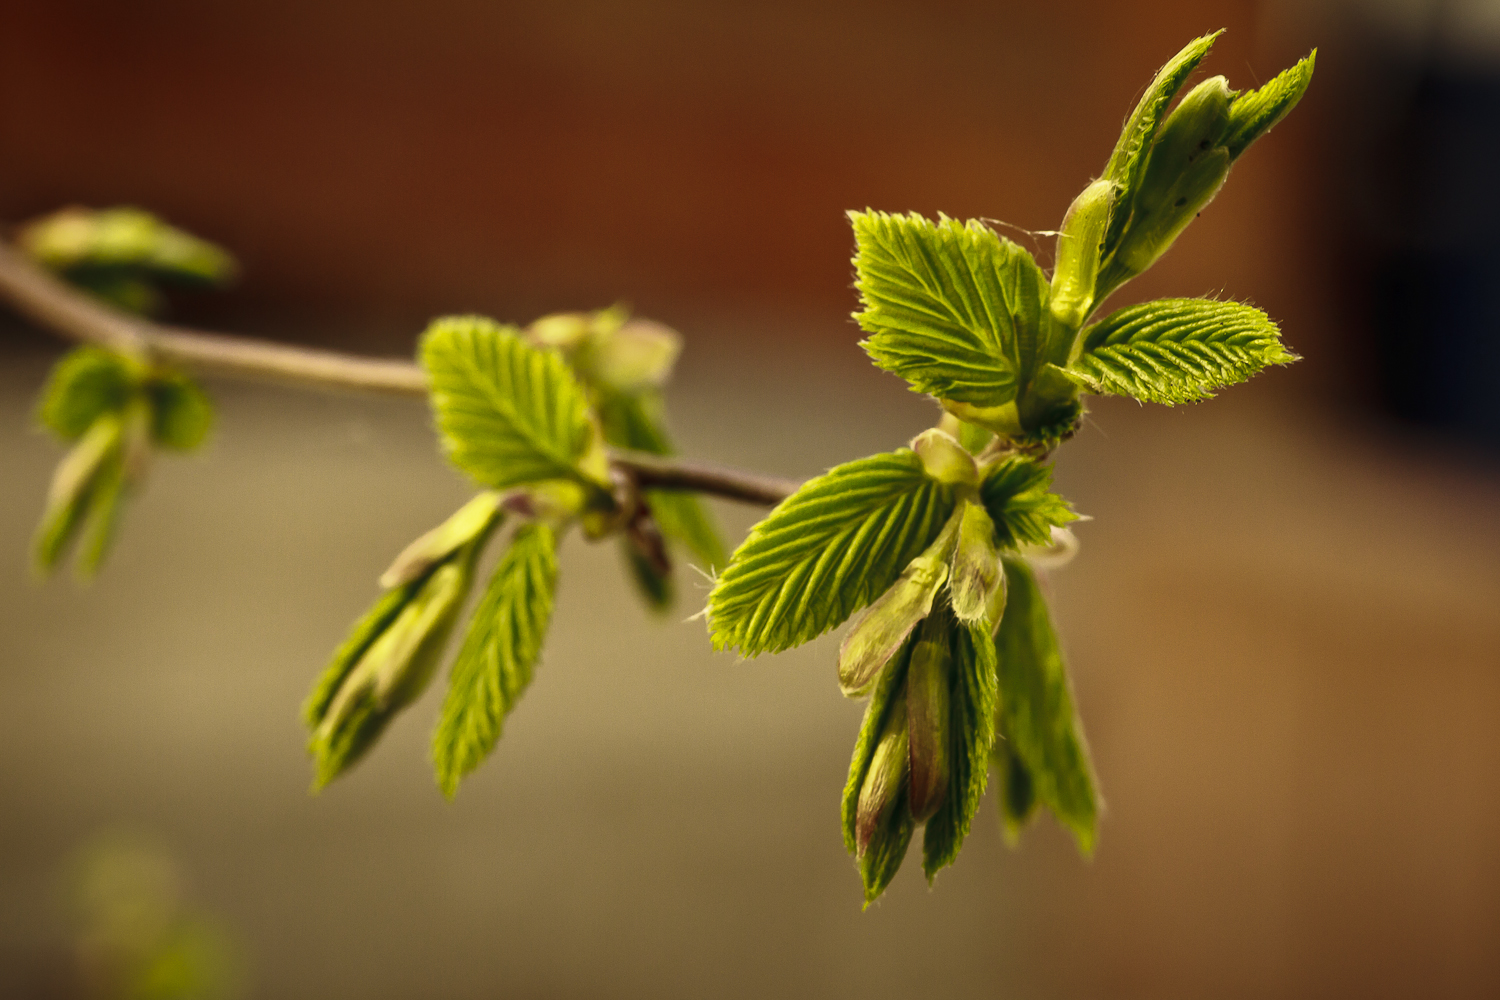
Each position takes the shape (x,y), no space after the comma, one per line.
(930,549)
(114,406)
(526,414)
(114,409)
(122,254)
(955,647)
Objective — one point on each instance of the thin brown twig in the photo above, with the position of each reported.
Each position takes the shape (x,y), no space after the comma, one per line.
(61,309)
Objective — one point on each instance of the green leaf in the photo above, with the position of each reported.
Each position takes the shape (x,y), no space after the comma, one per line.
(1036,708)
(508,413)
(74,486)
(1128,161)
(955,309)
(1255,111)
(880,862)
(1176,350)
(181,413)
(656,588)
(825,552)
(119,242)
(84,385)
(637,421)
(975,697)
(385,664)
(1017,493)
(364,631)
(1017,798)
(499,654)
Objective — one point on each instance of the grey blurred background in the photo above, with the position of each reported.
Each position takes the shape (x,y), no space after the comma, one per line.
(1282,627)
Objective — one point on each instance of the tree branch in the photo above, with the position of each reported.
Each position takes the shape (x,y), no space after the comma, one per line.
(63,310)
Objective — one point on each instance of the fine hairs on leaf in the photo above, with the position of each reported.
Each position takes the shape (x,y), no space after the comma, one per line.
(954,308)
(1177,350)
(825,552)
(495,664)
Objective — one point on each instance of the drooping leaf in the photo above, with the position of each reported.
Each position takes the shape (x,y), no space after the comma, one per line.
(385,664)
(825,552)
(1036,708)
(1255,111)
(974,700)
(953,308)
(1017,492)
(887,847)
(1128,161)
(636,421)
(508,413)
(366,629)
(181,414)
(1177,350)
(85,384)
(498,656)
(75,484)
(656,588)
(1017,798)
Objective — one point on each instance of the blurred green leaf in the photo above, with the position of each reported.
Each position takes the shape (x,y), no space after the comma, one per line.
(85,384)
(1036,708)
(181,413)
(121,243)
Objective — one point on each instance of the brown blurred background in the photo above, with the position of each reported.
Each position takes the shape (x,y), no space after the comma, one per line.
(1283,625)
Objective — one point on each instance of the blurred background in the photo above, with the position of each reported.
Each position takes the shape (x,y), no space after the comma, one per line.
(1283,625)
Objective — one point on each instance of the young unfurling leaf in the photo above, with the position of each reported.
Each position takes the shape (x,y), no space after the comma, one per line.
(973,698)
(388,658)
(509,413)
(954,308)
(1128,161)
(877,823)
(1177,350)
(1036,708)
(497,659)
(825,552)
(1017,492)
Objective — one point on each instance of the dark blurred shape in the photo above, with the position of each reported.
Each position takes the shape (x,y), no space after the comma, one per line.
(1417,182)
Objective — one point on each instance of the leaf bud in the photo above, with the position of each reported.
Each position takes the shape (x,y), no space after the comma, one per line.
(1079,244)
(1187,166)
(561,331)
(636,357)
(471,520)
(976,573)
(885,777)
(927,713)
(883,628)
(944,459)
